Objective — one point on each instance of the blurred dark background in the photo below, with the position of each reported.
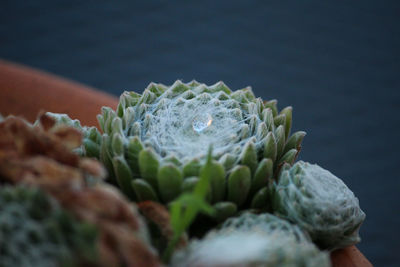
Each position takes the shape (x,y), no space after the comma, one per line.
(337,63)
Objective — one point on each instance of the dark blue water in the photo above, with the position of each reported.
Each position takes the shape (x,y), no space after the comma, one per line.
(337,63)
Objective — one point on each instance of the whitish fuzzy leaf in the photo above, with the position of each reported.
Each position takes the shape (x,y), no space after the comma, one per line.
(270,147)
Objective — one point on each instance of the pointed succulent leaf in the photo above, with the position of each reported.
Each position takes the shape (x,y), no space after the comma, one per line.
(270,147)
(147,121)
(124,176)
(148,165)
(172,159)
(239,183)
(261,199)
(268,118)
(280,140)
(289,157)
(105,156)
(248,93)
(262,131)
(280,120)
(244,131)
(200,89)
(92,149)
(228,161)
(193,83)
(100,120)
(188,94)
(249,157)
(294,141)
(217,181)
(251,108)
(253,124)
(239,96)
(147,97)
(132,153)
(288,116)
(222,96)
(117,145)
(128,118)
(224,210)
(263,173)
(131,98)
(178,88)
(220,86)
(108,115)
(94,135)
(143,190)
(135,130)
(117,126)
(272,104)
(260,106)
(157,90)
(189,184)
(169,182)
(192,168)
(121,106)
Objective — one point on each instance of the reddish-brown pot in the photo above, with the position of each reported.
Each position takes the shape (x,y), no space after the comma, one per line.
(25,92)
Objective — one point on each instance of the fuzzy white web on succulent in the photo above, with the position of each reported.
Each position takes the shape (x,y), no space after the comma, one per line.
(185,126)
(155,144)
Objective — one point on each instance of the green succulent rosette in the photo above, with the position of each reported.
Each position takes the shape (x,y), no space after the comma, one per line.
(320,203)
(155,143)
(36,231)
(252,240)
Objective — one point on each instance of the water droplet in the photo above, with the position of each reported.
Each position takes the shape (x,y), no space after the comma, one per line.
(201,122)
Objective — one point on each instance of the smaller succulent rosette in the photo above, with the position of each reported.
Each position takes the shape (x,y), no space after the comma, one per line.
(155,143)
(265,223)
(320,203)
(36,231)
(253,240)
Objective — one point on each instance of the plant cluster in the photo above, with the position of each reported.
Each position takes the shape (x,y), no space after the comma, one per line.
(206,154)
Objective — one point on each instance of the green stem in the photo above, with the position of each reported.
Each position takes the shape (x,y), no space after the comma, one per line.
(170,248)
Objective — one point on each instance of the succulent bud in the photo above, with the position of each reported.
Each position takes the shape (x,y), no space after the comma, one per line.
(320,203)
(269,241)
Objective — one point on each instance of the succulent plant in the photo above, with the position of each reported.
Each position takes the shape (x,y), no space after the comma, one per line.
(36,231)
(91,137)
(265,223)
(320,203)
(155,143)
(41,156)
(252,240)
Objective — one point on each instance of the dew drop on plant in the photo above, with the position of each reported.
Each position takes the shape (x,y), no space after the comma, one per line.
(201,122)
